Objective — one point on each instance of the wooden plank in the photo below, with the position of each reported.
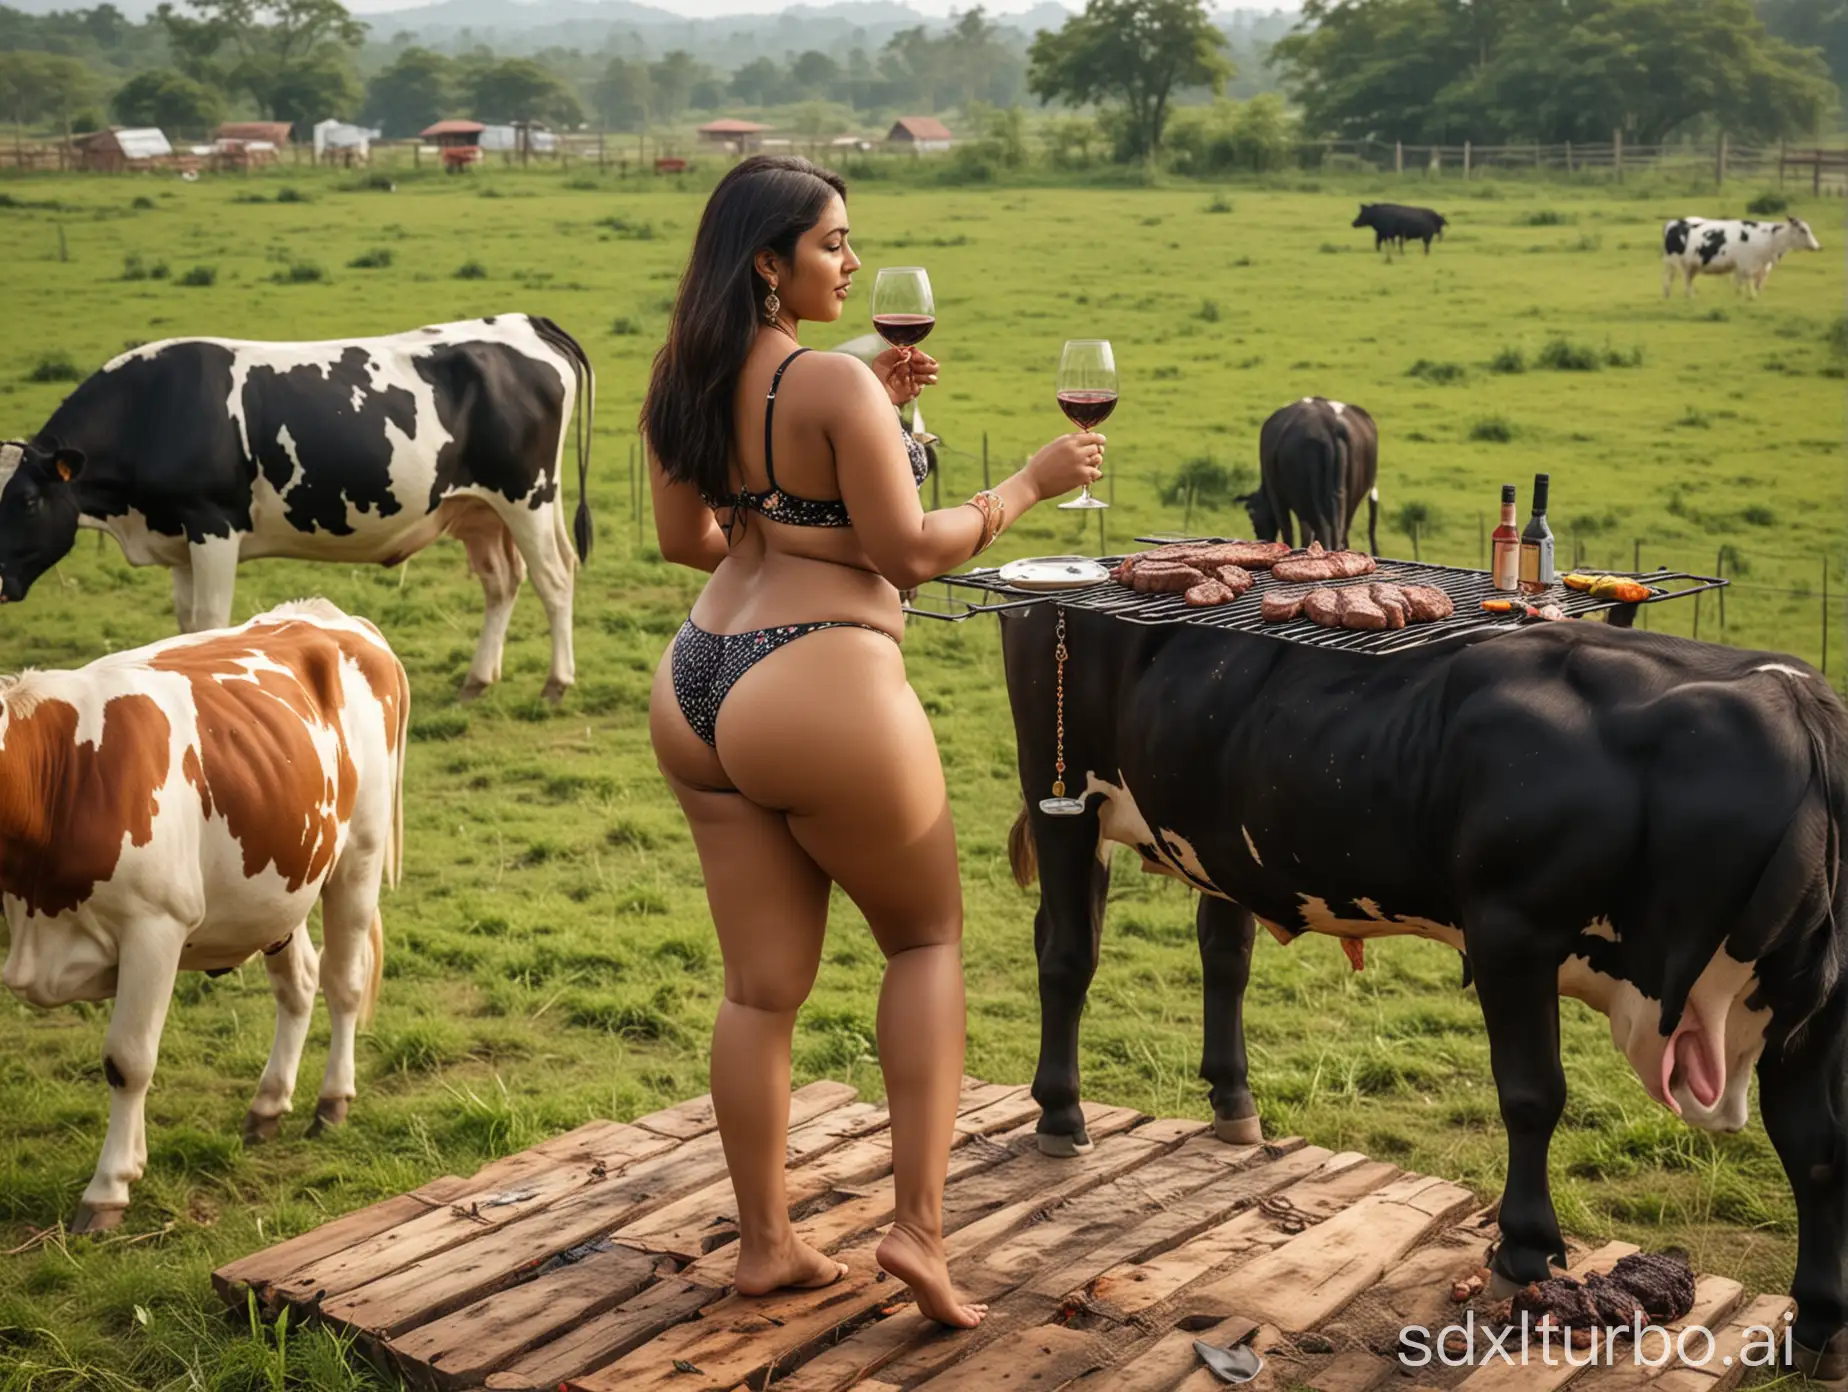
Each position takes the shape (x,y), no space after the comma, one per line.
(429,1289)
(1042,1359)
(1724,1368)
(1308,1278)
(260,1268)
(686,1121)
(607,1336)
(1354,1371)
(737,1337)
(470,1214)
(460,1350)
(1160,1364)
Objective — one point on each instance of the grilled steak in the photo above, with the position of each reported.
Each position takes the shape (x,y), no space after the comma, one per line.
(1235,578)
(1392,599)
(1324,607)
(1358,609)
(1429,604)
(1280,608)
(1317,564)
(1206,556)
(1155,577)
(1210,592)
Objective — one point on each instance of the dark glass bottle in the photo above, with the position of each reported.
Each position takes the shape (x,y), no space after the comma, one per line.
(1537,544)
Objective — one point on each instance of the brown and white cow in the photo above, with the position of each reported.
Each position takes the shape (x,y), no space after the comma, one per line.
(181,807)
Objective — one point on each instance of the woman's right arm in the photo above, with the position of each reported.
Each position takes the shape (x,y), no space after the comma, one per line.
(907,544)
(685,529)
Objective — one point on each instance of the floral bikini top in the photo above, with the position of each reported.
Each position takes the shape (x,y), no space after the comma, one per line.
(781,506)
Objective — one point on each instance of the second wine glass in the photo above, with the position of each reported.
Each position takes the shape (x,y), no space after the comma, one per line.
(1087,387)
(904,312)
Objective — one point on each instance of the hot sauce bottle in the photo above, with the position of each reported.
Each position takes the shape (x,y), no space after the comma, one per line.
(1505,547)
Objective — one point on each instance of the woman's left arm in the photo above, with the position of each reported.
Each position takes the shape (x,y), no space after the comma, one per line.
(685,527)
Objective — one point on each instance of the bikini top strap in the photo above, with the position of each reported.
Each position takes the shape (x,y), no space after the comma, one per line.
(770,411)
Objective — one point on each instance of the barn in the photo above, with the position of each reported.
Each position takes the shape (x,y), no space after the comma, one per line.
(922,135)
(249,144)
(459,142)
(734,137)
(120,148)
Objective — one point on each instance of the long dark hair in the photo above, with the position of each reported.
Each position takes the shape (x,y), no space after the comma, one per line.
(768,201)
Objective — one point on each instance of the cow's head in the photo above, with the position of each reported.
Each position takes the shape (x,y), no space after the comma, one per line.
(1263,520)
(1801,235)
(1365,218)
(38,511)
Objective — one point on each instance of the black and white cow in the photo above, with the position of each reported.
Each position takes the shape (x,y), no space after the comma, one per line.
(199,453)
(1318,458)
(1648,824)
(1694,246)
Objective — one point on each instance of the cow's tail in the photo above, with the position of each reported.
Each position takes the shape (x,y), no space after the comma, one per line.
(1812,925)
(1022,854)
(582,530)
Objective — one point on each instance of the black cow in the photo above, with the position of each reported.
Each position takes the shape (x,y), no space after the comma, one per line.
(1395,222)
(1318,458)
(198,453)
(1649,824)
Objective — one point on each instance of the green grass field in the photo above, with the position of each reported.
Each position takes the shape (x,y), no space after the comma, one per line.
(549,958)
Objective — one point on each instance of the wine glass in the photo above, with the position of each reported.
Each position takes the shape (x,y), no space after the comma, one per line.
(903,311)
(1087,395)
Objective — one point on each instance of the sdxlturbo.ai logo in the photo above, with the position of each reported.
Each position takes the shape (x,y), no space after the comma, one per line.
(1649,1345)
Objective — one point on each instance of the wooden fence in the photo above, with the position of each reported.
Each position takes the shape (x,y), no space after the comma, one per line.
(1825,170)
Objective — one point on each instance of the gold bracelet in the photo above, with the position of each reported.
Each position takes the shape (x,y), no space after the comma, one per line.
(993,508)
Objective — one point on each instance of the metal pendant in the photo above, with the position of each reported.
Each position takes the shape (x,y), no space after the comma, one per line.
(1059,805)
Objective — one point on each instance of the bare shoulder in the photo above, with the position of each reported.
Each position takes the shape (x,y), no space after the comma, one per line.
(834,382)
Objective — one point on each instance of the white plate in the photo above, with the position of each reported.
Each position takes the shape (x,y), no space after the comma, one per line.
(1053,573)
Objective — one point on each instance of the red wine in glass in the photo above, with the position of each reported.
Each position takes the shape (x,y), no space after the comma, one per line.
(903,309)
(1087,409)
(1087,391)
(904,330)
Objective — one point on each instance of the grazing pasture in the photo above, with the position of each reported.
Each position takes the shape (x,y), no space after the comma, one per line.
(548,957)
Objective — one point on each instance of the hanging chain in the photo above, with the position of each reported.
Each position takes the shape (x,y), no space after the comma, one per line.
(1058,782)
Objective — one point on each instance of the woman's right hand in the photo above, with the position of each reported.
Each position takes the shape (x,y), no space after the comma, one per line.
(1069,462)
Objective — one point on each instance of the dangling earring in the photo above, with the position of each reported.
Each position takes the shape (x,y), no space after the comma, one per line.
(772,306)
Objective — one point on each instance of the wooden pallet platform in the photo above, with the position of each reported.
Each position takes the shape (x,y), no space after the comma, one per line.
(601,1261)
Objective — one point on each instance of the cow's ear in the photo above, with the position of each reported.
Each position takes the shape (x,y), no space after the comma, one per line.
(68,463)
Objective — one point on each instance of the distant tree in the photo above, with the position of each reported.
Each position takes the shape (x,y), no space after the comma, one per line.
(169,99)
(411,94)
(294,57)
(1134,53)
(1442,70)
(759,82)
(1818,24)
(623,94)
(672,80)
(41,87)
(815,73)
(518,89)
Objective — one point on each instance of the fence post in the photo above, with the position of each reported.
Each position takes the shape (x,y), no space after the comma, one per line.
(1482,546)
(1719,164)
(1825,616)
(1780,162)
(1617,152)
(1466,161)
(1568,157)
(1398,157)
(1719,573)
(1816,172)
(985,459)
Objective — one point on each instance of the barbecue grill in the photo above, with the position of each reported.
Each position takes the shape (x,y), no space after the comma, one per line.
(955,598)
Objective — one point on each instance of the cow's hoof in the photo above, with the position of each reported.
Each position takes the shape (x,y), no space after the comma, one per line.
(471,691)
(93,1218)
(555,691)
(1502,1287)
(1826,1364)
(1245,1130)
(329,1111)
(1064,1147)
(259,1128)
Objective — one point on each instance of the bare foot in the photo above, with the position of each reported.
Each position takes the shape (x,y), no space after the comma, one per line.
(795,1265)
(918,1261)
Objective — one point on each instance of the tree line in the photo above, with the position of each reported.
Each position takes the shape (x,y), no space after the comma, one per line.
(1146,80)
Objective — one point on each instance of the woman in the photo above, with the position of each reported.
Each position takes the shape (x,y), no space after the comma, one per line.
(781,716)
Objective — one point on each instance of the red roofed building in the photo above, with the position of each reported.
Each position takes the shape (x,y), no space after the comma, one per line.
(921,134)
(739,137)
(460,142)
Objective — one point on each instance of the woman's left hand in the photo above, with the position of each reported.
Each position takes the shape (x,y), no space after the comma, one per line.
(904,372)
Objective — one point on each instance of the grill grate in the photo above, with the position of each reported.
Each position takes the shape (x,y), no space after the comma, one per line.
(958,597)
